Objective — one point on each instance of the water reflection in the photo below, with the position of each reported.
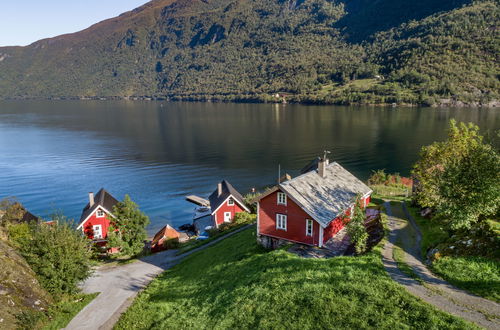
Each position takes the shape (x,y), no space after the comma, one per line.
(53,153)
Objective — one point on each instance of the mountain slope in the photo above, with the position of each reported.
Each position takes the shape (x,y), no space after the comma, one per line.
(315,50)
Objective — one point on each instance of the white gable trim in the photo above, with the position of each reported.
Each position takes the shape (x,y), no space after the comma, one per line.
(236,200)
(88,217)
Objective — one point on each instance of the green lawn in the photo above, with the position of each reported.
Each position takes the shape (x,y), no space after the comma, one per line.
(475,274)
(238,285)
(432,231)
(193,244)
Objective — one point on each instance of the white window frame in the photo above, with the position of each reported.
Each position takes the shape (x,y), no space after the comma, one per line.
(100,213)
(282,199)
(309,225)
(230,218)
(97,229)
(281,221)
(230,201)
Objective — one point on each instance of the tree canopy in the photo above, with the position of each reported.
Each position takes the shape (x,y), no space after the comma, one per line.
(128,229)
(459,177)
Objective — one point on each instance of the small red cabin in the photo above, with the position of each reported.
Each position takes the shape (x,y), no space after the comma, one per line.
(97,215)
(311,208)
(223,204)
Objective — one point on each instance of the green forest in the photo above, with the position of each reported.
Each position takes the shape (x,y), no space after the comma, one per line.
(311,51)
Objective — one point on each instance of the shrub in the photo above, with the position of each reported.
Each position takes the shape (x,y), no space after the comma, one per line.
(356,228)
(378,177)
(57,253)
(244,218)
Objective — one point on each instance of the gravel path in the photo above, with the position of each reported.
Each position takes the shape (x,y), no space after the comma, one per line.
(119,285)
(434,290)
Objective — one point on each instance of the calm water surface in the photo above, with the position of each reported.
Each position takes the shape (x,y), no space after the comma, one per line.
(53,153)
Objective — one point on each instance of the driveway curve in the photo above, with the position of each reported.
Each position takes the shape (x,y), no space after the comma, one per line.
(432,289)
(118,286)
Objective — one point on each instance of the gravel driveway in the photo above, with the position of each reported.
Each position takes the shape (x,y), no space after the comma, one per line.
(437,292)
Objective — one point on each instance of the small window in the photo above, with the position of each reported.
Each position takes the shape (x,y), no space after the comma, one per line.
(100,213)
(309,227)
(281,221)
(281,198)
(97,231)
(230,202)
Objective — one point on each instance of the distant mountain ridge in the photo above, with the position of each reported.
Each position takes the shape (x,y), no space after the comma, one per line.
(319,51)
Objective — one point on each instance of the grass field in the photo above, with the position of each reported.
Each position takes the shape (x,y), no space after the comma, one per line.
(478,275)
(238,285)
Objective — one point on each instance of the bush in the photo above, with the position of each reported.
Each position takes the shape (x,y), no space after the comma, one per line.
(57,253)
(244,218)
(356,228)
(171,243)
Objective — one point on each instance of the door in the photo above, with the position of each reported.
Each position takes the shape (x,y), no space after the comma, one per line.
(227,216)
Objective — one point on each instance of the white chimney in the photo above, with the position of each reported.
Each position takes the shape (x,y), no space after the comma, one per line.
(219,189)
(91,199)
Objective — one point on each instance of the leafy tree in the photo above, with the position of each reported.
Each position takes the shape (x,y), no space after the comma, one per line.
(460,177)
(128,230)
(58,254)
(378,177)
(356,229)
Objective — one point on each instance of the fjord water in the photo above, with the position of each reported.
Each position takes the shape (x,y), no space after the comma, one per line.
(52,153)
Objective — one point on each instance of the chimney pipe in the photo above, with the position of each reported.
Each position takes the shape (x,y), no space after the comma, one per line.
(219,189)
(322,167)
(91,199)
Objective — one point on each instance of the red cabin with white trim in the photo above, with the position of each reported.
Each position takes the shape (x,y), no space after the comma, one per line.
(97,216)
(311,208)
(222,205)
(225,203)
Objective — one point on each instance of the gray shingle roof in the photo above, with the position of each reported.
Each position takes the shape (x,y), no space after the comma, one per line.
(325,198)
(227,189)
(103,199)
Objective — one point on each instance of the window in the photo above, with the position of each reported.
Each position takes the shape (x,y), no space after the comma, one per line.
(97,231)
(100,213)
(230,202)
(281,198)
(281,221)
(309,227)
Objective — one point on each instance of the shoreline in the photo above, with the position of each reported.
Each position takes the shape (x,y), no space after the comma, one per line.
(444,103)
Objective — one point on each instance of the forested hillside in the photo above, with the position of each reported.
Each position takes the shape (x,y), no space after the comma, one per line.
(320,51)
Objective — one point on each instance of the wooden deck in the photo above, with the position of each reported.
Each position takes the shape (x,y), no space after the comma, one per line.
(197,200)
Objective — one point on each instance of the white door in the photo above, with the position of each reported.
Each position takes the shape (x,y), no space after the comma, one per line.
(227,216)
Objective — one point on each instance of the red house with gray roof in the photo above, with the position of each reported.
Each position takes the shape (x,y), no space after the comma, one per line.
(223,204)
(309,209)
(97,215)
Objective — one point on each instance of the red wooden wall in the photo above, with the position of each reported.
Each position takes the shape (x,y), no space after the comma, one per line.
(296,221)
(219,215)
